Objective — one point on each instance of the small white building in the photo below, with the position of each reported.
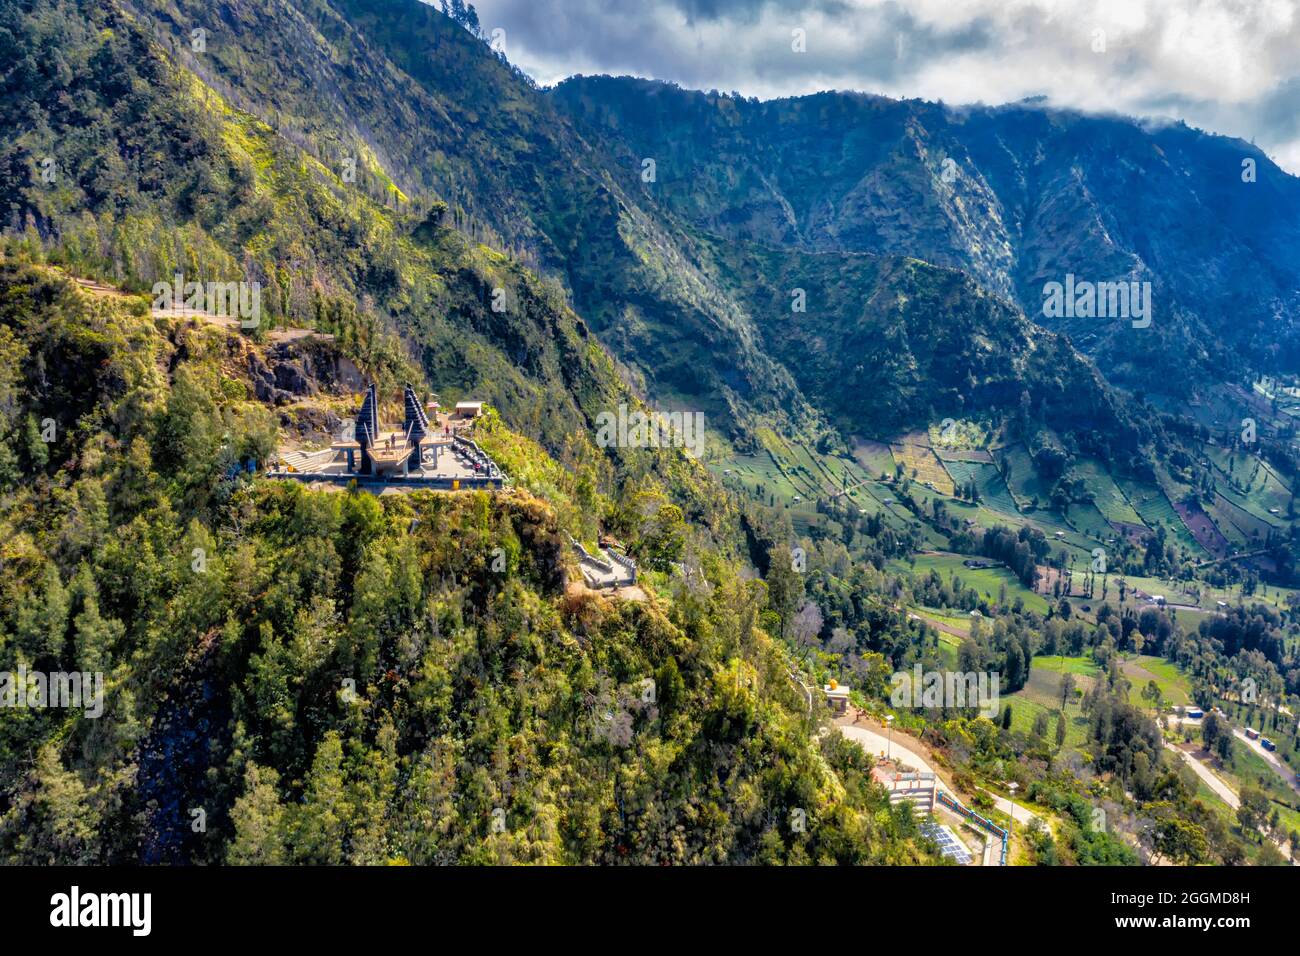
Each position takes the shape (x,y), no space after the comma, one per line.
(837,697)
(469,409)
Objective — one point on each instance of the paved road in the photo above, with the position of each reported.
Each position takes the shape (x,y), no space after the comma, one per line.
(1282,770)
(1205,773)
(1223,790)
(905,749)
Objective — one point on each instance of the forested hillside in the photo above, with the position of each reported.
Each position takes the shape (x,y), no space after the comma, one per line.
(332,677)
(888,343)
(904,463)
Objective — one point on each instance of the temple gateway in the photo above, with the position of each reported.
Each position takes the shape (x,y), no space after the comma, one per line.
(416,454)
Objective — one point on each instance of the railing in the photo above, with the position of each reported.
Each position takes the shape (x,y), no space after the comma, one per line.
(591,559)
(956,806)
(623,561)
(476,455)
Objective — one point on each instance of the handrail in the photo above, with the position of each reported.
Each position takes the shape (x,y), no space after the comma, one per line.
(956,806)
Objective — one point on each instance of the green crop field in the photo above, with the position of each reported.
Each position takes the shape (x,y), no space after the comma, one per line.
(1079,666)
(1025,711)
(986,581)
(1023,478)
(1108,497)
(1249,769)
(1240,527)
(758,472)
(1042,694)
(913,451)
(947,618)
(873,456)
(1154,507)
(787,470)
(1250,482)
(1088,520)
(988,482)
(1173,683)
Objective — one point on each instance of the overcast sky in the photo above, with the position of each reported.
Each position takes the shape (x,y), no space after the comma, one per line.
(1231,66)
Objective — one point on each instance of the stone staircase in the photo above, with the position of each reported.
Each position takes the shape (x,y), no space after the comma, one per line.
(306,461)
(608,570)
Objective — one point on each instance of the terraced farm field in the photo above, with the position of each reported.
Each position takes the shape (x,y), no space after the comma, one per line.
(798,468)
(1108,497)
(1238,525)
(1207,534)
(873,457)
(962,454)
(1254,509)
(760,474)
(1262,488)
(988,482)
(787,469)
(1090,521)
(1022,477)
(913,451)
(1151,503)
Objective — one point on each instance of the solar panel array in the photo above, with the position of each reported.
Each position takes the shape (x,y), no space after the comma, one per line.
(949,845)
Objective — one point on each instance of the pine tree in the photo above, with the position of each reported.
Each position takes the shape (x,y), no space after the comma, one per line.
(259,821)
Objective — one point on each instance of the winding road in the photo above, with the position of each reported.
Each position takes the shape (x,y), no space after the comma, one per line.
(905,749)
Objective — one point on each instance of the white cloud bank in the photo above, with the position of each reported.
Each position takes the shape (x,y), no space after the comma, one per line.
(1230,66)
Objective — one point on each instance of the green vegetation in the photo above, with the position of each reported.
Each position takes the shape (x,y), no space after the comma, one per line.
(336,677)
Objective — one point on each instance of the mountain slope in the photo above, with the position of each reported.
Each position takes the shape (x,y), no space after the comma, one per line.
(890,344)
(1016,196)
(408,92)
(330,677)
(448,139)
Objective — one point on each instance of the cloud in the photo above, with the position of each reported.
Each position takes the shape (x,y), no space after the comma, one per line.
(1231,66)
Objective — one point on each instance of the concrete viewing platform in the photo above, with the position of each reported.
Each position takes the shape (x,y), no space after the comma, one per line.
(606,570)
(450,465)
(412,457)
